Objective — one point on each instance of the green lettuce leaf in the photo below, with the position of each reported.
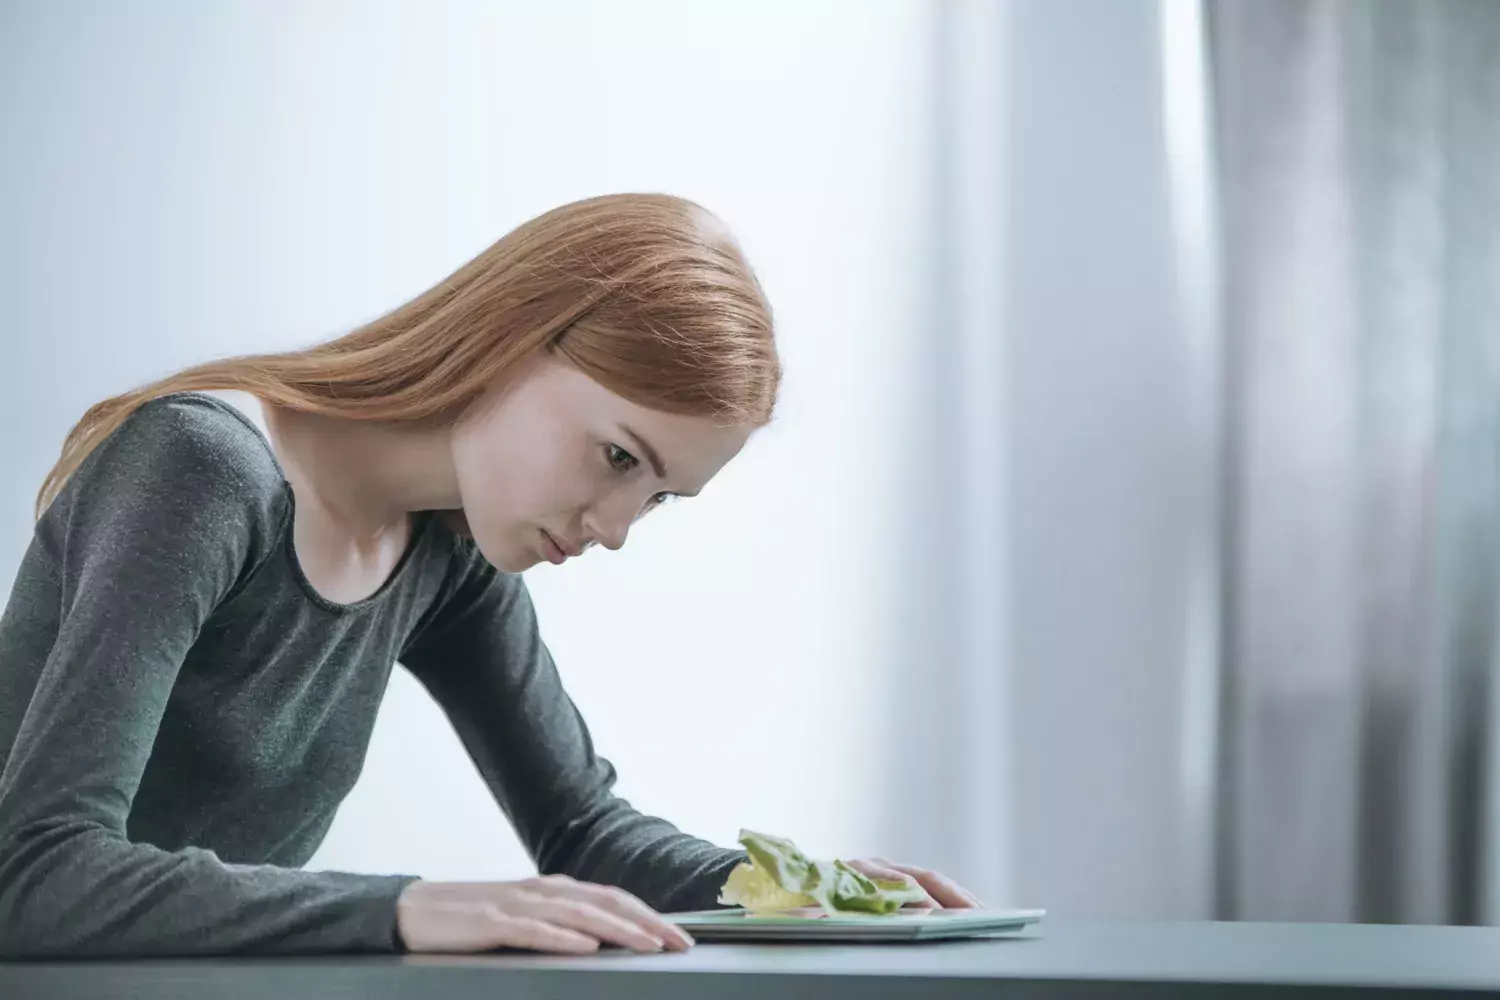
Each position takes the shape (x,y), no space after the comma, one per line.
(778,876)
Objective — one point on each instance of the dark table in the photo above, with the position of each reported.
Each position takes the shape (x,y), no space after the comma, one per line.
(1055,959)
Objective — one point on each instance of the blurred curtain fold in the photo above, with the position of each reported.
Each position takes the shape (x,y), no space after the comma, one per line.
(1358,149)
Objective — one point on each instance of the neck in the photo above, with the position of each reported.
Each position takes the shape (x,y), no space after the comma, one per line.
(370,477)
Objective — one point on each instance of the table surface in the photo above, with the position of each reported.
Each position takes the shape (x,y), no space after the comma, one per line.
(1056,958)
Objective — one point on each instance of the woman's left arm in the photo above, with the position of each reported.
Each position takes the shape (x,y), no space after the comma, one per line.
(483,660)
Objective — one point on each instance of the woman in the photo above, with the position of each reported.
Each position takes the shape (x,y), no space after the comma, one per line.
(227,563)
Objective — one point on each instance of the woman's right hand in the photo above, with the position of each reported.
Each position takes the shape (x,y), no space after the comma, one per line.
(549,913)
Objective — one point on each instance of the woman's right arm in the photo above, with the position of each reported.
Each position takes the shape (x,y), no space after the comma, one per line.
(155,529)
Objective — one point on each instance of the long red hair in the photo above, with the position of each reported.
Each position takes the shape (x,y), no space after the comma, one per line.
(648,294)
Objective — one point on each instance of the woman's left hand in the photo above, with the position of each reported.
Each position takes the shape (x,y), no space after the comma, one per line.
(942,891)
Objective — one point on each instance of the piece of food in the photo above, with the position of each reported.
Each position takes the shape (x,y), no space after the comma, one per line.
(755,890)
(778,876)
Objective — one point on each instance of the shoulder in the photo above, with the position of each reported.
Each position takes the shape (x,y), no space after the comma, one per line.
(196,433)
(471,579)
(182,451)
(474,597)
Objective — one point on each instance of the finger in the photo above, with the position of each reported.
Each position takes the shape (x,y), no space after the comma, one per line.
(537,935)
(886,873)
(942,888)
(590,919)
(632,908)
(948,892)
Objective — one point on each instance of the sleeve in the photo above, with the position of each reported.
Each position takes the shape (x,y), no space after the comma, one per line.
(484,662)
(158,525)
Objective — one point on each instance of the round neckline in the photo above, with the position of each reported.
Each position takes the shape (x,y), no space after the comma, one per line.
(420,521)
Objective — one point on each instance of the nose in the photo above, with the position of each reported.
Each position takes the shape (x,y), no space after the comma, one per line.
(607,527)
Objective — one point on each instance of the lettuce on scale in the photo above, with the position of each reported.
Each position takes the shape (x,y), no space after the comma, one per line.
(780,877)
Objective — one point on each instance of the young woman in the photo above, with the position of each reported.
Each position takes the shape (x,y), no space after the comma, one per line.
(227,563)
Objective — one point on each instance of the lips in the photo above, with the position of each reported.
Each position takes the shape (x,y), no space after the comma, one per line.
(558,550)
(551,551)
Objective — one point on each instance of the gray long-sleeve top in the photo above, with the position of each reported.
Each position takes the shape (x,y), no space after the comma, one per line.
(181,713)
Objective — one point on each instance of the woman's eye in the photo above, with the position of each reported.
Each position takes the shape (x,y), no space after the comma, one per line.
(655,502)
(620,459)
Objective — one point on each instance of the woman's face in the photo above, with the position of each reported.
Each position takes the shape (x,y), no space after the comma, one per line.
(555,462)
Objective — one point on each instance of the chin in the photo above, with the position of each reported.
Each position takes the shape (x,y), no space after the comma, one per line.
(515,565)
(506,558)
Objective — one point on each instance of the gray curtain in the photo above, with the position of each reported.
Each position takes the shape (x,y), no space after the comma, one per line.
(1359,184)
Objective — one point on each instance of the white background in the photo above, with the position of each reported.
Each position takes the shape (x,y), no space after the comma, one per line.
(187,180)
(202,180)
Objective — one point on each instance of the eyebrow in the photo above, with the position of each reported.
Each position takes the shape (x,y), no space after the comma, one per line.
(644,447)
